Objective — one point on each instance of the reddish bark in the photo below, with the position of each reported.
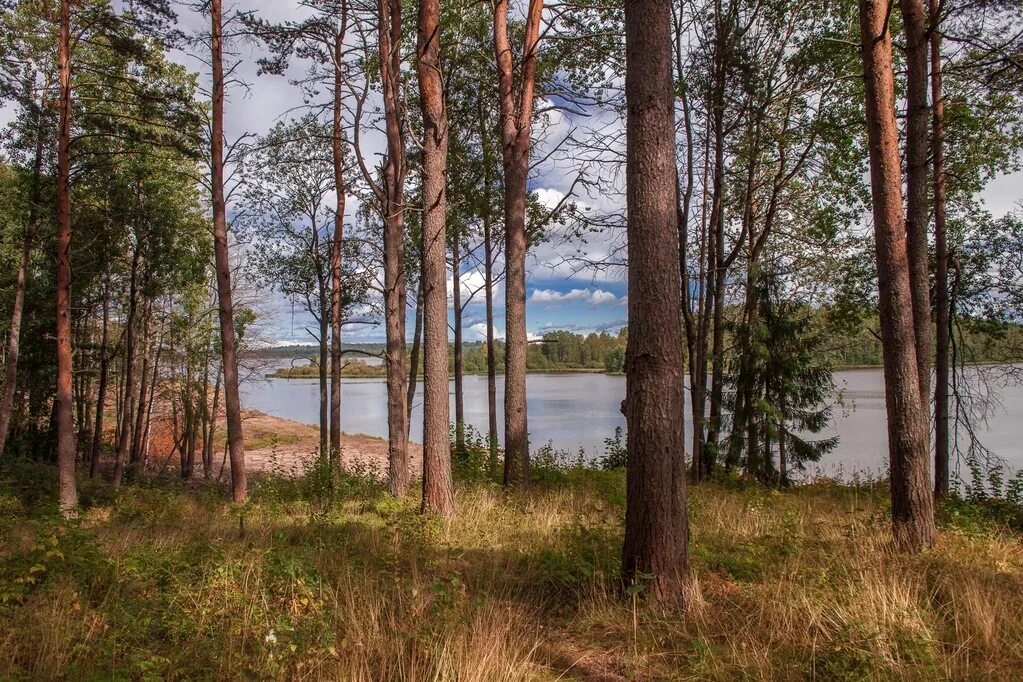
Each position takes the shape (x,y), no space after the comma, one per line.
(912,501)
(656,523)
(516,115)
(914,23)
(67,493)
(228,340)
(437,486)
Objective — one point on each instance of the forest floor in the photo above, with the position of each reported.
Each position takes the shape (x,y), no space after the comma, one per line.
(324,576)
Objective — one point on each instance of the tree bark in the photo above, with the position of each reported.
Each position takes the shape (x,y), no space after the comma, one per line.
(516,114)
(914,23)
(228,340)
(128,390)
(324,345)
(417,342)
(140,411)
(390,33)
(437,486)
(335,254)
(207,443)
(14,336)
(942,318)
(459,379)
(148,422)
(696,330)
(912,501)
(656,523)
(104,376)
(67,492)
(488,284)
(488,268)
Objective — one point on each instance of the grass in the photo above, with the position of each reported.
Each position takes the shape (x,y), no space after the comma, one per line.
(329,578)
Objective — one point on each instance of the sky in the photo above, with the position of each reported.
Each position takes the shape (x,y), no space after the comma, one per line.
(561,292)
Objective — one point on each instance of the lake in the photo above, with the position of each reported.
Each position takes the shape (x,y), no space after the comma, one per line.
(573,411)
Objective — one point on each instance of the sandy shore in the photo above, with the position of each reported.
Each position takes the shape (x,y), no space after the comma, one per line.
(283,446)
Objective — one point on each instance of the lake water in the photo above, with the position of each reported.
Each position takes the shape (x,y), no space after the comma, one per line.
(574,411)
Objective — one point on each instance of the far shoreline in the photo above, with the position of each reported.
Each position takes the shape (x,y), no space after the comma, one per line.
(568,371)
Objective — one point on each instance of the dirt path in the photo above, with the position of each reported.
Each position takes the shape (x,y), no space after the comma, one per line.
(286,447)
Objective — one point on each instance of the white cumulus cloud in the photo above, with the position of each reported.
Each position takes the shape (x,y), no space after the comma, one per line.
(591,297)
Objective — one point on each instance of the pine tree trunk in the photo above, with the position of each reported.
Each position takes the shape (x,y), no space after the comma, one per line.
(337,157)
(437,486)
(140,411)
(488,284)
(491,355)
(914,23)
(716,270)
(656,525)
(417,342)
(128,389)
(21,278)
(941,363)
(148,422)
(228,339)
(207,443)
(67,492)
(698,339)
(104,376)
(459,379)
(13,343)
(912,501)
(516,126)
(324,360)
(390,34)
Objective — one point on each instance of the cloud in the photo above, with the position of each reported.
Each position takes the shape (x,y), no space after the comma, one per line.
(480,328)
(591,297)
(472,289)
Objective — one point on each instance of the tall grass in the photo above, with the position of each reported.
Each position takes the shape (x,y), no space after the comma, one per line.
(333,580)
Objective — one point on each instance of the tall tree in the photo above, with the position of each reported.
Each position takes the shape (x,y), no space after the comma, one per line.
(437,487)
(228,340)
(289,177)
(337,159)
(656,522)
(321,39)
(67,492)
(912,501)
(392,202)
(941,302)
(516,105)
(915,28)
(20,281)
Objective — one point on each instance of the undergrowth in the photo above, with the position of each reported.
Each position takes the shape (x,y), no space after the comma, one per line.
(323,576)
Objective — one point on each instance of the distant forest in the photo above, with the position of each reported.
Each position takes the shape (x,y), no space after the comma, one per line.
(853,344)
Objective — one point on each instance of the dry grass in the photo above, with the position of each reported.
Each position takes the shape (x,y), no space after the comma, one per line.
(160,583)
